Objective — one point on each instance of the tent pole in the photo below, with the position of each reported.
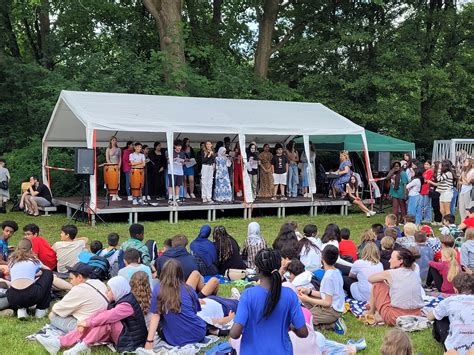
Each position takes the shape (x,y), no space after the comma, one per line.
(169,144)
(368,168)
(44,170)
(309,168)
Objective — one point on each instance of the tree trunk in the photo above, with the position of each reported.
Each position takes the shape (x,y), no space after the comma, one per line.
(266,27)
(8,39)
(167,15)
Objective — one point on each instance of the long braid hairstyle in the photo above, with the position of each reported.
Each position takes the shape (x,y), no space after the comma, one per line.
(268,263)
(224,240)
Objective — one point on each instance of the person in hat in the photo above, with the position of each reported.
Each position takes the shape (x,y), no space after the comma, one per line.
(86,298)
(431,239)
(469,221)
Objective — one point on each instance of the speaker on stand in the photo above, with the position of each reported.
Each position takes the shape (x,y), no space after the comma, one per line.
(84,160)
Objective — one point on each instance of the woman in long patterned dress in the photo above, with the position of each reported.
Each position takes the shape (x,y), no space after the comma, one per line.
(266,177)
(222,189)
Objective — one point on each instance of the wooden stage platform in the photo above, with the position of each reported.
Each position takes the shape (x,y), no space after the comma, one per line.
(122,207)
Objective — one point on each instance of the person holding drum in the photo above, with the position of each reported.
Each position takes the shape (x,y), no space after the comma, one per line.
(113,158)
(137,173)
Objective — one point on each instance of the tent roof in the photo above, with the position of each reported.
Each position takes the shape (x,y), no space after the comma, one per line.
(376,143)
(147,118)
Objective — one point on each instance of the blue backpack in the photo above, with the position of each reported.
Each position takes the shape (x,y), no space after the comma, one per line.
(100,266)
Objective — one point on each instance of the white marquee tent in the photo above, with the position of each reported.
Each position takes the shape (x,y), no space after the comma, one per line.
(89,119)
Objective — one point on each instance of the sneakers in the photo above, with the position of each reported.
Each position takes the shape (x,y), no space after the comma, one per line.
(188,196)
(204,200)
(340,326)
(274,198)
(148,198)
(51,344)
(135,202)
(193,196)
(118,198)
(22,313)
(130,198)
(41,313)
(372,213)
(239,194)
(170,202)
(359,344)
(284,198)
(235,293)
(114,198)
(79,348)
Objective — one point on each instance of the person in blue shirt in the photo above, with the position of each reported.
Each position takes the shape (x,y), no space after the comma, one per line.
(174,307)
(8,229)
(267,311)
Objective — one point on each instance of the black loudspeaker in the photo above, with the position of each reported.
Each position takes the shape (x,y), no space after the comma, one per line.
(84,161)
(382,161)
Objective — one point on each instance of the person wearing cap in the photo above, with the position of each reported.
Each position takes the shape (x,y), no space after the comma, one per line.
(431,240)
(469,221)
(86,298)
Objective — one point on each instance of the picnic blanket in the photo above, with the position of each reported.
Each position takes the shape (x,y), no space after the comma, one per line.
(357,308)
(159,346)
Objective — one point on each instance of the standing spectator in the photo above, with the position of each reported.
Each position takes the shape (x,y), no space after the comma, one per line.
(435,195)
(414,197)
(425,193)
(466,181)
(38,194)
(444,185)
(4,182)
(398,180)
(126,167)
(40,246)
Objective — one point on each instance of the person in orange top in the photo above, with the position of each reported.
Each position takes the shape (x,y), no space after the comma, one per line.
(40,246)
(347,247)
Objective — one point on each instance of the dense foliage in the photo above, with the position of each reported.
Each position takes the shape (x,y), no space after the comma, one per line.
(401,68)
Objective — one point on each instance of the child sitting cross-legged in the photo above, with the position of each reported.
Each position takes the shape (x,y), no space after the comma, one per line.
(298,276)
(443,273)
(327,304)
(122,324)
(454,317)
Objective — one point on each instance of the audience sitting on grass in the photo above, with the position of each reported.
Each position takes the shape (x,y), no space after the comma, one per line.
(347,248)
(133,264)
(391,222)
(40,246)
(426,254)
(297,274)
(408,239)
(253,244)
(356,284)
(378,230)
(8,229)
(122,324)
(396,342)
(368,236)
(86,297)
(395,292)
(309,248)
(137,233)
(449,226)
(204,252)
(30,282)
(140,287)
(386,247)
(467,250)
(178,252)
(228,251)
(454,316)
(68,249)
(111,253)
(286,238)
(442,273)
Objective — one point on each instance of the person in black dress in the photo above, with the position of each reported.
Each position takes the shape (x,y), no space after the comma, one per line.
(228,251)
(156,180)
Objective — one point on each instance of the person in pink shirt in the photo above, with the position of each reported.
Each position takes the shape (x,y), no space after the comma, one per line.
(446,270)
(123,324)
(126,167)
(425,193)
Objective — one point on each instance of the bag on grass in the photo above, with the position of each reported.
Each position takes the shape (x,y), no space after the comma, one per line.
(235,274)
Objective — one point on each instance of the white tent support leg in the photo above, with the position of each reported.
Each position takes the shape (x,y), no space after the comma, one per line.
(91,144)
(44,162)
(310,167)
(169,145)
(368,167)
(248,196)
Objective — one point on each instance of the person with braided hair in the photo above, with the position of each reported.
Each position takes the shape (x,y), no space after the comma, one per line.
(228,251)
(267,311)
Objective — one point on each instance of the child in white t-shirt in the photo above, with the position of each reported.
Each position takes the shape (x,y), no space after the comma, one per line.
(327,304)
(137,160)
(454,316)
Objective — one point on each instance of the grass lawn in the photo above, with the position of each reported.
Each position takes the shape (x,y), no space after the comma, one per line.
(13,331)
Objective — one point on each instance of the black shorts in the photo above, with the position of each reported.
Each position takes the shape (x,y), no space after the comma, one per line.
(178,180)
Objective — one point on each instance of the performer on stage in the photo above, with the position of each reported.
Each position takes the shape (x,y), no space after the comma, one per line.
(207,172)
(126,167)
(113,155)
(293,160)
(137,161)
(304,159)
(344,172)
(352,194)
(148,173)
(266,176)
(252,167)
(238,173)
(157,184)
(188,168)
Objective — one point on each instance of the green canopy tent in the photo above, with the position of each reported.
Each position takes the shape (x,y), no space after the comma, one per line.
(353,143)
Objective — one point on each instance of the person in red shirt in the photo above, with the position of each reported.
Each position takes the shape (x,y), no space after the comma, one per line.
(469,221)
(425,193)
(40,246)
(347,247)
(447,241)
(126,167)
